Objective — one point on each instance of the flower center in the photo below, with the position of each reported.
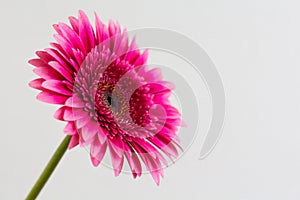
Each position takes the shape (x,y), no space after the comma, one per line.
(110,101)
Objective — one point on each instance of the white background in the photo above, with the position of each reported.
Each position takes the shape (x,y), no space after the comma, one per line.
(255,46)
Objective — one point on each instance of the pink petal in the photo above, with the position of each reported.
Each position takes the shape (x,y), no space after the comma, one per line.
(113,28)
(37,83)
(156,176)
(152,165)
(47,73)
(74,23)
(57,29)
(153,75)
(83,120)
(133,161)
(167,147)
(58,67)
(142,58)
(44,56)
(75,102)
(79,57)
(79,113)
(71,36)
(101,30)
(89,131)
(102,135)
(38,62)
(132,50)
(64,44)
(74,141)
(51,97)
(117,161)
(66,113)
(59,113)
(74,64)
(118,145)
(146,146)
(70,128)
(86,32)
(120,43)
(68,85)
(61,57)
(97,152)
(57,86)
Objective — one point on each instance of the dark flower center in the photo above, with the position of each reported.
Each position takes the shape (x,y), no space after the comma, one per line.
(112,102)
(109,100)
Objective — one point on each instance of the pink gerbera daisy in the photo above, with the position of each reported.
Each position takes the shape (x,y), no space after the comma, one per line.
(110,100)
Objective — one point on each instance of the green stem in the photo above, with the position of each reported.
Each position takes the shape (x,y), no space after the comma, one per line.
(38,186)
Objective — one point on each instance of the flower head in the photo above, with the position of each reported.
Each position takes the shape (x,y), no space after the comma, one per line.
(110,99)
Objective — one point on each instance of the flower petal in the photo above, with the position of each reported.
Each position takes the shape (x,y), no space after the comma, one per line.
(101,30)
(62,70)
(82,120)
(51,97)
(89,131)
(117,158)
(63,42)
(74,141)
(47,73)
(142,58)
(44,56)
(70,128)
(61,57)
(75,102)
(74,23)
(86,32)
(165,145)
(97,152)
(133,161)
(37,83)
(38,62)
(71,36)
(153,165)
(65,113)
(57,86)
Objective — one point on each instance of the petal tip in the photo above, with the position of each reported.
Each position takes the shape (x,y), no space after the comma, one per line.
(95,161)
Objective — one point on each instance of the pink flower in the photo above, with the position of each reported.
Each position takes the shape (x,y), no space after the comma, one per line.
(110,100)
